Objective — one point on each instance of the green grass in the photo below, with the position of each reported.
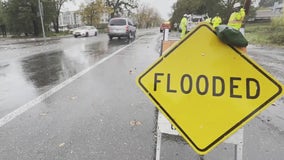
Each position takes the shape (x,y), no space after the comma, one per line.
(256,33)
(53,34)
(265,34)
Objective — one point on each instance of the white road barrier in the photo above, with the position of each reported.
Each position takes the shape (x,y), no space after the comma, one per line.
(164,126)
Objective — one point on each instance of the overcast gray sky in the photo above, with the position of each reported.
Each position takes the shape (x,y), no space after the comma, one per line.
(162,6)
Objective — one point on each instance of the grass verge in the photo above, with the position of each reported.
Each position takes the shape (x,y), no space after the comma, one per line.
(265,34)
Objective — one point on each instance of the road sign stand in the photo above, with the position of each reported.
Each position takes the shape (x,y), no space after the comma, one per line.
(182,78)
(165,38)
(164,126)
(166,42)
(158,145)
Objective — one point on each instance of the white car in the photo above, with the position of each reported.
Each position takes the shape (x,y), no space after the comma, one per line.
(85,31)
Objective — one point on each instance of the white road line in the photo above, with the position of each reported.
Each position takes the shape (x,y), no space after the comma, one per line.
(9,117)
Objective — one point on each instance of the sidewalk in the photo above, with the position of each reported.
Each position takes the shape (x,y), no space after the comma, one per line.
(9,40)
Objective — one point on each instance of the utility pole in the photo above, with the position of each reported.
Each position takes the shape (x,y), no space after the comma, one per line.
(247,4)
(40,7)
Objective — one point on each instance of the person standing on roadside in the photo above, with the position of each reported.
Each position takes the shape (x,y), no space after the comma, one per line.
(237,17)
(183,25)
(216,21)
(236,20)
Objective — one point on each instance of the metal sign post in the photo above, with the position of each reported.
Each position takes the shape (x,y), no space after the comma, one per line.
(165,38)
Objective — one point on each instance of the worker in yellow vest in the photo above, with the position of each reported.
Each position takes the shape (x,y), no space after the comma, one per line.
(216,21)
(183,25)
(237,17)
(236,20)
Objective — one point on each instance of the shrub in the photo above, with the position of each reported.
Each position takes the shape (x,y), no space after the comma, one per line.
(256,33)
(102,28)
(277,22)
(277,38)
(277,31)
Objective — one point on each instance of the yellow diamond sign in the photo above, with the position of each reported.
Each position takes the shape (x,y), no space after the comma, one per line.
(207,89)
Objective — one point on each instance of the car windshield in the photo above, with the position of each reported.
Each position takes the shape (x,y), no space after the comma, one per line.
(117,22)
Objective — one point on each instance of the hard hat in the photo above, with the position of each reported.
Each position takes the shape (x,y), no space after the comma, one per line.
(236,5)
(185,15)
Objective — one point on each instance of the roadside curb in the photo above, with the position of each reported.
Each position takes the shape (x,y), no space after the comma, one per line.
(8,41)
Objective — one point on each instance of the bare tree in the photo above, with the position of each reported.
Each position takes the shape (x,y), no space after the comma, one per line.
(147,17)
(92,13)
(121,7)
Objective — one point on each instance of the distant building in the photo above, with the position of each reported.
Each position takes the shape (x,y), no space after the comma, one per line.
(105,18)
(70,19)
(267,14)
(278,8)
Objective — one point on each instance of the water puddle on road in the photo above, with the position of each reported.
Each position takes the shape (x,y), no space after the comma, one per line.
(26,78)
(48,69)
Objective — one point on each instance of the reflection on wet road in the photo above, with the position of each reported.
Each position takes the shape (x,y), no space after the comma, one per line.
(22,79)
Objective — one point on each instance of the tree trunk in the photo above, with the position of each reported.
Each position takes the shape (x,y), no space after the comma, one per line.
(56,25)
(247,4)
(35,21)
(36,31)
(112,15)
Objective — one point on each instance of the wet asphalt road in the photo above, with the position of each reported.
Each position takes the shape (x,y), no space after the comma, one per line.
(102,114)
(30,69)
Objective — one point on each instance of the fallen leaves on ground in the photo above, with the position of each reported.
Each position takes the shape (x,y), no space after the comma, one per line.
(61,145)
(135,123)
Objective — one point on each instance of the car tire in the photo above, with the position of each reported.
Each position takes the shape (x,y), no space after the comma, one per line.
(129,35)
(110,37)
(134,35)
(75,36)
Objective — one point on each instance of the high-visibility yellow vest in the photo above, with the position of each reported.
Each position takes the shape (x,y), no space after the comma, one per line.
(183,22)
(216,21)
(236,19)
